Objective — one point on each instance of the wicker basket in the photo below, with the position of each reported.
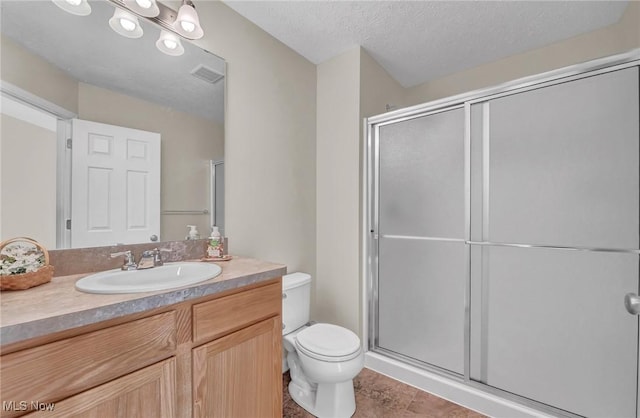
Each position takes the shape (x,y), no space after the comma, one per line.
(26,280)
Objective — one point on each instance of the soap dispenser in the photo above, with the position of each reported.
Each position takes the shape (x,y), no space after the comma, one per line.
(193,232)
(215,246)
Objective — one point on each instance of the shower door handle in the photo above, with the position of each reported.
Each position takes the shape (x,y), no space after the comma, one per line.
(632,303)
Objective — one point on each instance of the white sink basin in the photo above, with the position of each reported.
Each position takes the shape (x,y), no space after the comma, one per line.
(164,277)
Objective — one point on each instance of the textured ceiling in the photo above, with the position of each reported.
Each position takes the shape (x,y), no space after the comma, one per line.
(91,52)
(417,41)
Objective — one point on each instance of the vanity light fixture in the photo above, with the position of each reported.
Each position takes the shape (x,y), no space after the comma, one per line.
(145,8)
(183,23)
(187,23)
(76,7)
(125,24)
(170,44)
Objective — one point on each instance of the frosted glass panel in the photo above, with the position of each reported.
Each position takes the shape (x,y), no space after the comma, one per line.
(554,328)
(421,300)
(422,176)
(564,164)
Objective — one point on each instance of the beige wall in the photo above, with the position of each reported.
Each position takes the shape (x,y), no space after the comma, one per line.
(337,189)
(270,154)
(618,38)
(30,72)
(188,143)
(378,88)
(28,189)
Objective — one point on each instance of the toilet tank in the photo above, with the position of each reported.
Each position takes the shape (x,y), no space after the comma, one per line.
(296,298)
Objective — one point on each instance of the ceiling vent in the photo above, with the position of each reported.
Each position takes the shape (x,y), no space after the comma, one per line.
(207,74)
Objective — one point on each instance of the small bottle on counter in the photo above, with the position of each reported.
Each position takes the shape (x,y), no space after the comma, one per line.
(215,246)
(193,232)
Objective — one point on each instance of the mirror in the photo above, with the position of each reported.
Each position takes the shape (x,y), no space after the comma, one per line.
(81,66)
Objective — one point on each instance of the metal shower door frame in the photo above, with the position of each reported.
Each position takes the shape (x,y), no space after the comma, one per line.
(371,206)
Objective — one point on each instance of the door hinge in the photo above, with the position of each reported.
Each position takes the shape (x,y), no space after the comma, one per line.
(69,142)
(68,224)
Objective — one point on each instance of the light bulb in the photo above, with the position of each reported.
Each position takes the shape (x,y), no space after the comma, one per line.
(145,4)
(171,44)
(146,8)
(127,25)
(168,43)
(75,7)
(187,22)
(188,26)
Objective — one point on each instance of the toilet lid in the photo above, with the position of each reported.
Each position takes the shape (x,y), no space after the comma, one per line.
(328,340)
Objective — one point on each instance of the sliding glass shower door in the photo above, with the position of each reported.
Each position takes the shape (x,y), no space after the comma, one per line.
(554,255)
(422,232)
(506,234)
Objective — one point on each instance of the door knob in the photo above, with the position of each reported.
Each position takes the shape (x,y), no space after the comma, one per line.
(632,303)
(153,237)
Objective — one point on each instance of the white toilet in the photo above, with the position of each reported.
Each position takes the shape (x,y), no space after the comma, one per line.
(323,358)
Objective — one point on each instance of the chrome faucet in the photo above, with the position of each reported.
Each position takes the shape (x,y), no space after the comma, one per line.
(129,263)
(151,258)
(148,259)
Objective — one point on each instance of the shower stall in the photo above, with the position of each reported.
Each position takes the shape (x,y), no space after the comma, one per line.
(503,232)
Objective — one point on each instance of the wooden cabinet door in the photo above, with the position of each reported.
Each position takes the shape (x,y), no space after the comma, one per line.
(61,369)
(240,375)
(149,392)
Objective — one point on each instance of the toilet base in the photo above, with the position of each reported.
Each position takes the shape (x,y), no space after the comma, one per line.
(306,398)
(326,400)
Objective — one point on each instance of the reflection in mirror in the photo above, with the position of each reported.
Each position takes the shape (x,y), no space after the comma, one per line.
(82,72)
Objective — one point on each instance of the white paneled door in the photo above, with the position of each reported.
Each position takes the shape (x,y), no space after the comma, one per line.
(115,186)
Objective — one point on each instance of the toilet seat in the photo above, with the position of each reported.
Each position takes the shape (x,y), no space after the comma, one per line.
(328,342)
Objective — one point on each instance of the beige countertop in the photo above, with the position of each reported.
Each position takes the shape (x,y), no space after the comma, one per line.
(58,306)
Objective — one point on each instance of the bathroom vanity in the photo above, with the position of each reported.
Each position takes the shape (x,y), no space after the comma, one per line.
(209,350)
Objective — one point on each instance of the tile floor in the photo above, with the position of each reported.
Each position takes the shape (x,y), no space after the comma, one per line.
(379,396)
